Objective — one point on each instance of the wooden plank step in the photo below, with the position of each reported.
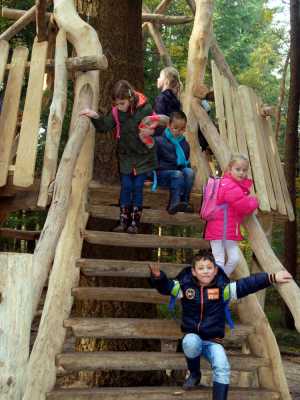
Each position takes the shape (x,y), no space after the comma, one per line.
(141,240)
(149,216)
(158,393)
(128,268)
(131,295)
(144,361)
(141,328)
(109,195)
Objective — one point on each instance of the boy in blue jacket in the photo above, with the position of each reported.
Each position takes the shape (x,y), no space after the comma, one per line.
(174,168)
(204,291)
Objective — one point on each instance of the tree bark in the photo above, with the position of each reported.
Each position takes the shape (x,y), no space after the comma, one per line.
(292,142)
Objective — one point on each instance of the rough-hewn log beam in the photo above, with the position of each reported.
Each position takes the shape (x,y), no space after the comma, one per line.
(166,19)
(192,5)
(55,119)
(87,63)
(197,58)
(41,20)
(13,14)
(221,62)
(162,6)
(162,50)
(19,234)
(27,17)
(23,21)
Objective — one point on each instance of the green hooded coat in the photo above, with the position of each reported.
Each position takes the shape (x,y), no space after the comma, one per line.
(134,156)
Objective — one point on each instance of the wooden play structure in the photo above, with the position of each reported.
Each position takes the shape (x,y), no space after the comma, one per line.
(72,196)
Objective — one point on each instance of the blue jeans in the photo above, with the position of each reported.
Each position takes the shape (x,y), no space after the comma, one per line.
(193,346)
(132,187)
(180,183)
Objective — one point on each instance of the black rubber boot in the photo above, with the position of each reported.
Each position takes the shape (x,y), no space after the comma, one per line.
(193,380)
(124,220)
(220,391)
(136,215)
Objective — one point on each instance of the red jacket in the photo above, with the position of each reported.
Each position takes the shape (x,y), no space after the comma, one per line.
(236,195)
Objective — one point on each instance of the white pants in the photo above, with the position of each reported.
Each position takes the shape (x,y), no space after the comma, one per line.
(231,248)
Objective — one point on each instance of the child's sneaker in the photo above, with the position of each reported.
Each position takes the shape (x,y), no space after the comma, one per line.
(191,382)
(173,209)
(189,208)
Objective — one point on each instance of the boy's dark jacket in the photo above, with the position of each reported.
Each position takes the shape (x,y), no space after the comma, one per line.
(203,307)
(165,103)
(166,153)
(133,154)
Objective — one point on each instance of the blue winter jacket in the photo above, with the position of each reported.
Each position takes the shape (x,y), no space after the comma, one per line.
(165,103)
(203,308)
(166,153)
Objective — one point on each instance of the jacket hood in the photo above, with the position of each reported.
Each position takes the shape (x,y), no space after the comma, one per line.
(171,96)
(142,99)
(245,183)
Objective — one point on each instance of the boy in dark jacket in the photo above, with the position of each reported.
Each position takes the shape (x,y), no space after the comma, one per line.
(174,169)
(205,290)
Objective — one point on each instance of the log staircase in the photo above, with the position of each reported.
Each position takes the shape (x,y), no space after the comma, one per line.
(245,367)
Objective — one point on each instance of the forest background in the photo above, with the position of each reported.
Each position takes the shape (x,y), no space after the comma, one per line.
(255,45)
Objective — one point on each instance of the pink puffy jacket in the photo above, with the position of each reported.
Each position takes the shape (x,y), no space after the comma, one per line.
(236,195)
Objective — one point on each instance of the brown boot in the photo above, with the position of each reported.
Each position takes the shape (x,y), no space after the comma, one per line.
(124,220)
(136,215)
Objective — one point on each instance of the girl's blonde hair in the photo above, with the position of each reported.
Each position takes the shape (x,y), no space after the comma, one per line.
(235,158)
(172,79)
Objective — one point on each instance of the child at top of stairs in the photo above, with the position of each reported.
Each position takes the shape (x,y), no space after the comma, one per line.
(135,158)
(205,290)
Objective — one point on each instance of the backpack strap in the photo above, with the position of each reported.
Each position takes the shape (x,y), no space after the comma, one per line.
(115,114)
(174,294)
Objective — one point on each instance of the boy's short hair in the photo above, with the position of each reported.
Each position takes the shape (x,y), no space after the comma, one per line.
(203,255)
(177,115)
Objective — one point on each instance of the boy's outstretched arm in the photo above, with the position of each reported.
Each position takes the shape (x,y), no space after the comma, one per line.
(255,282)
(159,280)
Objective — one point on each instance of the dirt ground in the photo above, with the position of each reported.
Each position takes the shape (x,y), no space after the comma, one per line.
(292,370)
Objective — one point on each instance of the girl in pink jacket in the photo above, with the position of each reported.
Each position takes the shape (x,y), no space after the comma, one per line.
(223,231)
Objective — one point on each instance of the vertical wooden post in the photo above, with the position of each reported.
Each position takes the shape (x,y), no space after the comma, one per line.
(15,322)
(198,52)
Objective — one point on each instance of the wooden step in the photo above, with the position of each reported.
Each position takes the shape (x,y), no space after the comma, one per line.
(128,268)
(157,393)
(109,195)
(131,295)
(144,361)
(149,216)
(146,241)
(141,328)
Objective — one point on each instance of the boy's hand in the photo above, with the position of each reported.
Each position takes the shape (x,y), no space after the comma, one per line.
(283,276)
(87,112)
(155,270)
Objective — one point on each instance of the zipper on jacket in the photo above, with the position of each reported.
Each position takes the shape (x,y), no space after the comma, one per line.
(201,305)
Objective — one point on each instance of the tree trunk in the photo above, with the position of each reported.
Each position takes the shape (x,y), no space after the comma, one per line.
(292,142)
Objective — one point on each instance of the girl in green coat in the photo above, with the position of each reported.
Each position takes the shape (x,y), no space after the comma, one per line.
(135,158)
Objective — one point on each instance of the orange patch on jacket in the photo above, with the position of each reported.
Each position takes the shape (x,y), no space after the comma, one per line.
(213,294)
